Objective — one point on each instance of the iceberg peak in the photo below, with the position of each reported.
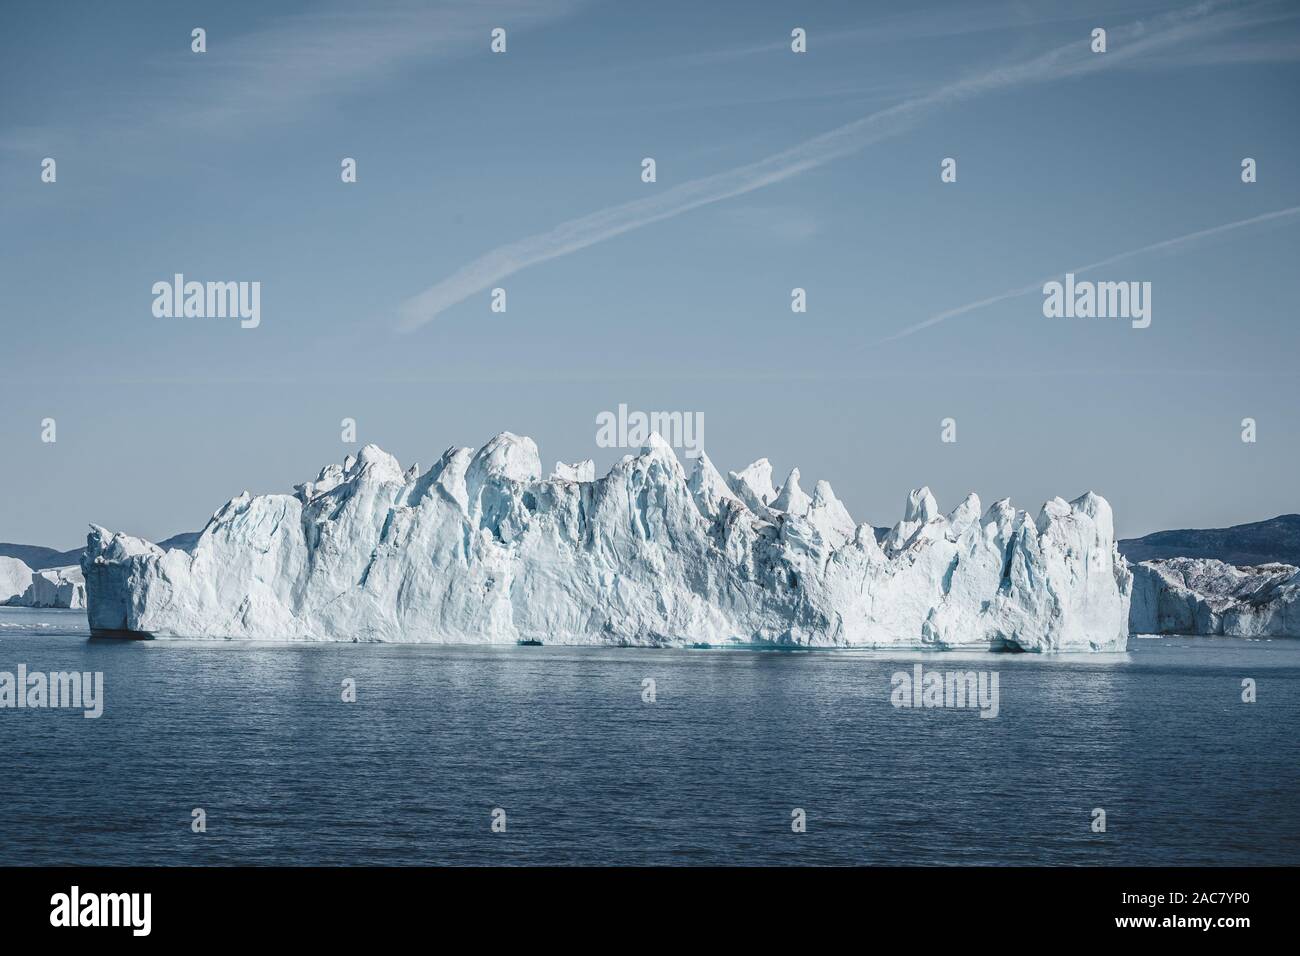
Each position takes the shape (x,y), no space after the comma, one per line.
(507,456)
(753,485)
(921,506)
(584,470)
(710,490)
(791,498)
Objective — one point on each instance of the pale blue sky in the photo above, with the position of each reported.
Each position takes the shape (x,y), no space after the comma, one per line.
(225,166)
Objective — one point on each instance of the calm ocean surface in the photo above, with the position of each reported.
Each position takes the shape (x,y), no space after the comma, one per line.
(586,772)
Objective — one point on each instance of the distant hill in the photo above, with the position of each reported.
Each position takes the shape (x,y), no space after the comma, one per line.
(185,541)
(1276,540)
(38,558)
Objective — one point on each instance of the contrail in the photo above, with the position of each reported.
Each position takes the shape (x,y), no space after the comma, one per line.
(1035,287)
(1072,60)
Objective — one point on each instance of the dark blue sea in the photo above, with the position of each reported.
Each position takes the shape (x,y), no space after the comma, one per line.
(587,771)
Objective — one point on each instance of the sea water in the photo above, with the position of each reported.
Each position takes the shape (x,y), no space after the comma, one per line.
(233,752)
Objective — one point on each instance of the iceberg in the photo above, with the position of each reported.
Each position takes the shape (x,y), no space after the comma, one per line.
(481,549)
(20,586)
(56,587)
(1205,596)
(15,579)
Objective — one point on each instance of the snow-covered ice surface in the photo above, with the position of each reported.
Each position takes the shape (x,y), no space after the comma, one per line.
(482,549)
(1209,597)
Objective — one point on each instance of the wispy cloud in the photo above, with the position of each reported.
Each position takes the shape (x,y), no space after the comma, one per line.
(294,62)
(304,57)
(1074,59)
(958,19)
(1162,246)
(1242,53)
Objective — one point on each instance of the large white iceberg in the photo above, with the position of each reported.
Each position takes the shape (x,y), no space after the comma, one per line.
(482,549)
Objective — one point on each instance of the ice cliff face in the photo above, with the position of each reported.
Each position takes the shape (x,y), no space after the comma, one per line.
(56,587)
(480,548)
(20,586)
(1205,596)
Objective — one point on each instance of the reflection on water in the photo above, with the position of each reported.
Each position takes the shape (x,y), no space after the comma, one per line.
(589,773)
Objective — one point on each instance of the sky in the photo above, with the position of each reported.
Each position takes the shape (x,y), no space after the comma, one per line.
(774,170)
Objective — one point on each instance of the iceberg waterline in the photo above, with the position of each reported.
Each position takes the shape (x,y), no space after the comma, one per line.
(482,549)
